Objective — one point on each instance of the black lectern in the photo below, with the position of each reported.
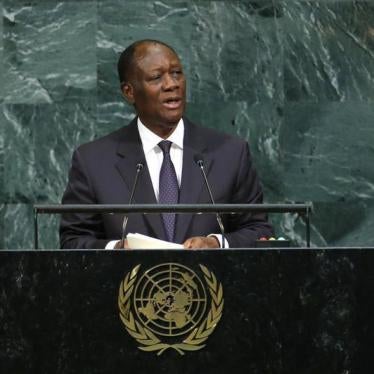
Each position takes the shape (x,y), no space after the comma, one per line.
(170,311)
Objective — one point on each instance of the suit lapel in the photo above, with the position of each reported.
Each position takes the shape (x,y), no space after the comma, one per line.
(131,153)
(192,179)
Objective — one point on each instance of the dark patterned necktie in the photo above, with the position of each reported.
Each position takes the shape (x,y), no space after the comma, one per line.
(168,188)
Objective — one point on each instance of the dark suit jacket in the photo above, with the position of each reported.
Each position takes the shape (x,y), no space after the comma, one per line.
(103,172)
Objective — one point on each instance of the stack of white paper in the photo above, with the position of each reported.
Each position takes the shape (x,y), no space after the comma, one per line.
(139,241)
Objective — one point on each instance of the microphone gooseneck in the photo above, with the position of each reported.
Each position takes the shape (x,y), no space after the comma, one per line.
(200,164)
(139,168)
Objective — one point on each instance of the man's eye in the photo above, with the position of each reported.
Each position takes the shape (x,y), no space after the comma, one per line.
(155,77)
(177,72)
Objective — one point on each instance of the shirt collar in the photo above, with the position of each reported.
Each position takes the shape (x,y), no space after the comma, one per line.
(150,140)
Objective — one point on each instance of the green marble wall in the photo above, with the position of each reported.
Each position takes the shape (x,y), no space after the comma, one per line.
(295,78)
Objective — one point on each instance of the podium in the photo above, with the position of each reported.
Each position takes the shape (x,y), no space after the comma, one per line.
(295,310)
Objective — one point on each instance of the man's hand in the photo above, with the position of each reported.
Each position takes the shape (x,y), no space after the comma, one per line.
(199,242)
(121,244)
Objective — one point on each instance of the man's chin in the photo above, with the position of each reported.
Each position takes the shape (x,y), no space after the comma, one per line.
(171,121)
(172,117)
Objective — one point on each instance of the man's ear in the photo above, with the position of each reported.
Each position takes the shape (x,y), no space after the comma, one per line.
(128,92)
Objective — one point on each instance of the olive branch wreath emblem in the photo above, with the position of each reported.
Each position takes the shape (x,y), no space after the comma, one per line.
(148,341)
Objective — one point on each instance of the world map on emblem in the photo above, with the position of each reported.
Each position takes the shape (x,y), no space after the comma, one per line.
(170,299)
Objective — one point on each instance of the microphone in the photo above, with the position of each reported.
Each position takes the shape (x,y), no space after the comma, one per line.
(200,163)
(139,168)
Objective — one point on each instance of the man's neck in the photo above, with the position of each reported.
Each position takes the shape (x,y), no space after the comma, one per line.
(162,130)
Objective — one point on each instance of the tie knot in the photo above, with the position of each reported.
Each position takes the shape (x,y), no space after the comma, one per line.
(165,146)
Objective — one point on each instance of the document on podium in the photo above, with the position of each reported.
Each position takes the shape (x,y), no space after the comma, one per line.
(140,241)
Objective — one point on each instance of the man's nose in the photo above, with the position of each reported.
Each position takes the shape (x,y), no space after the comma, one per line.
(170,82)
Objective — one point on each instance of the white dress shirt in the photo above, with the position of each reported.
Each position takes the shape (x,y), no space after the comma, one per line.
(154,158)
(154,155)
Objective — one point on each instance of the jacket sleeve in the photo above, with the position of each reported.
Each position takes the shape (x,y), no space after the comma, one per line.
(78,230)
(244,229)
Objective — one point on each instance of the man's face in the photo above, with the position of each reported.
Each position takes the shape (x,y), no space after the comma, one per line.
(157,87)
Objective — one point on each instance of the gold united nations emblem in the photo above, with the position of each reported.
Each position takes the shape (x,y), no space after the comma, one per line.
(169,306)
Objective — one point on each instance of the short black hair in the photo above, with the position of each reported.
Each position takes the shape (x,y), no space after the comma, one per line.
(126,59)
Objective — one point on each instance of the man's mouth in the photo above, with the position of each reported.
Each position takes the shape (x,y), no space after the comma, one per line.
(172,103)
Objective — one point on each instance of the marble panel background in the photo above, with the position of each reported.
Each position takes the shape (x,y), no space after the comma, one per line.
(295,78)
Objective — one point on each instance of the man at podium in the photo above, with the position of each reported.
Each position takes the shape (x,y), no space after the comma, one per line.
(168,153)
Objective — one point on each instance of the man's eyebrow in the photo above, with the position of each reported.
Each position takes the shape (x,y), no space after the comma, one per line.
(160,68)
(154,70)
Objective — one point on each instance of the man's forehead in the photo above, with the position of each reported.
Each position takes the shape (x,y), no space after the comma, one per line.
(149,51)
